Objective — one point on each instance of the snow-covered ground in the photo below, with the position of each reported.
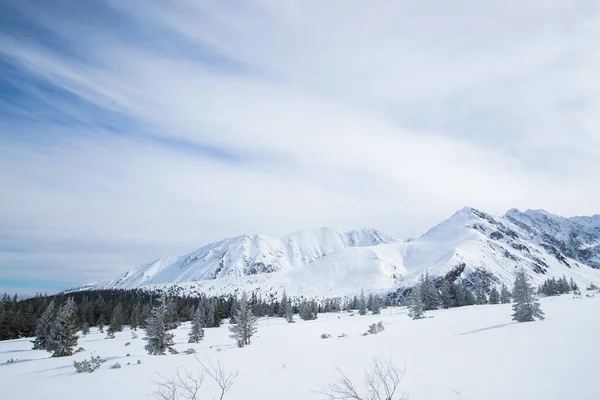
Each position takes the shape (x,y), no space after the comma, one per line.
(463,353)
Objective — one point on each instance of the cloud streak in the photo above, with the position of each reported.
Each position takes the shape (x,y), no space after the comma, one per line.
(132,130)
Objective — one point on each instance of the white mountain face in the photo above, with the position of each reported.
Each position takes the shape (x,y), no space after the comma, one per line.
(326,263)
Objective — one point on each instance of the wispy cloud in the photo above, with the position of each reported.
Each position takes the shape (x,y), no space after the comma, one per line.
(131,130)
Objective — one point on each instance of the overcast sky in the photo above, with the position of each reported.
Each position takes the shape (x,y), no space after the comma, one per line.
(135,129)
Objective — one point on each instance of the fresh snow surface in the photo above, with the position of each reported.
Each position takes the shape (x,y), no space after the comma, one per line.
(474,353)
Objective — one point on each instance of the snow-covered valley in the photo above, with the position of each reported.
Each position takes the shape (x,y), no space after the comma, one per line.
(474,352)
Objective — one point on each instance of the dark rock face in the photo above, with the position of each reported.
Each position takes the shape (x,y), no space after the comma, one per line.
(577,237)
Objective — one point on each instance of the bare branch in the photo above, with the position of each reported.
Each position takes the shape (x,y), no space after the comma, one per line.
(381,381)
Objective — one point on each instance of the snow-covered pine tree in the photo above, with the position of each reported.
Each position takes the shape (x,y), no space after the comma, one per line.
(480,297)
(283,305)
(446,294)
(429,294)
(196,333)
(245,323)
(416,308)
(171,316)
(573,285)
(42,330)
(289,312)
(101,324)
(85,328)
(233,309)
(158,337)
(370,302)
(375,305)
(63,331)
(526,307)
(494,296)
(362,303)
(504,294)
(117,319)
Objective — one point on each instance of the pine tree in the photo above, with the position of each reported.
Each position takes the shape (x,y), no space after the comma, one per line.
(526,307)
(117,319)
(504,295)
(42,330)
(289,312)
(283,305)
(416,308)
(362,304)
(446,294)
(196,333)
(63,332)
(375,305)
(494,296)
(157,335)
(85,328)
(429,294)
(245,323)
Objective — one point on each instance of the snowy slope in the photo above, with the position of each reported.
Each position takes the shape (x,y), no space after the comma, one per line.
(466,353)
(325,262)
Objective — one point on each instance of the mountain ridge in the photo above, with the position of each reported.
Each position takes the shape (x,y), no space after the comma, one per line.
(326,262)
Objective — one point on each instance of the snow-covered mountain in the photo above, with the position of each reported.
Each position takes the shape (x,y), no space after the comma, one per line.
(325,262)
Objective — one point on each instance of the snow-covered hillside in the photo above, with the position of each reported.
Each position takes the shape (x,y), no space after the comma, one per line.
(325,262)
(466,353)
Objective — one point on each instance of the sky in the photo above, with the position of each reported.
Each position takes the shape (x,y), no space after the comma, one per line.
(131,130)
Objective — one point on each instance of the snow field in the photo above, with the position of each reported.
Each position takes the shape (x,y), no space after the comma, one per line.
(472,352)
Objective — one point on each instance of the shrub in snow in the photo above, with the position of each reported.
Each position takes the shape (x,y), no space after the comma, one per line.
(342,335)
(127,355)
(127,344)
(375,328)
(10,360)
(139,362)
(188,385)
(325,336)
(88,365)
(173,350)
(526,307)
(592,287)
(79,350)
(115,366)
(381,381)
(190,351)
(134,335)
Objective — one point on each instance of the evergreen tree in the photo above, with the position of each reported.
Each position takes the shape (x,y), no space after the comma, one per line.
(245,323)
(504,295)
(375,305)
(416,308)
(117,319)
(526,307)
(362,304)
(63,332)
(42,330)
(446,294)
(573,285)
(196,333)
(85,328)
(308,310)
(101,324)
(494,296)
(429,294)
(289,312)
(283,305)
(157,335)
